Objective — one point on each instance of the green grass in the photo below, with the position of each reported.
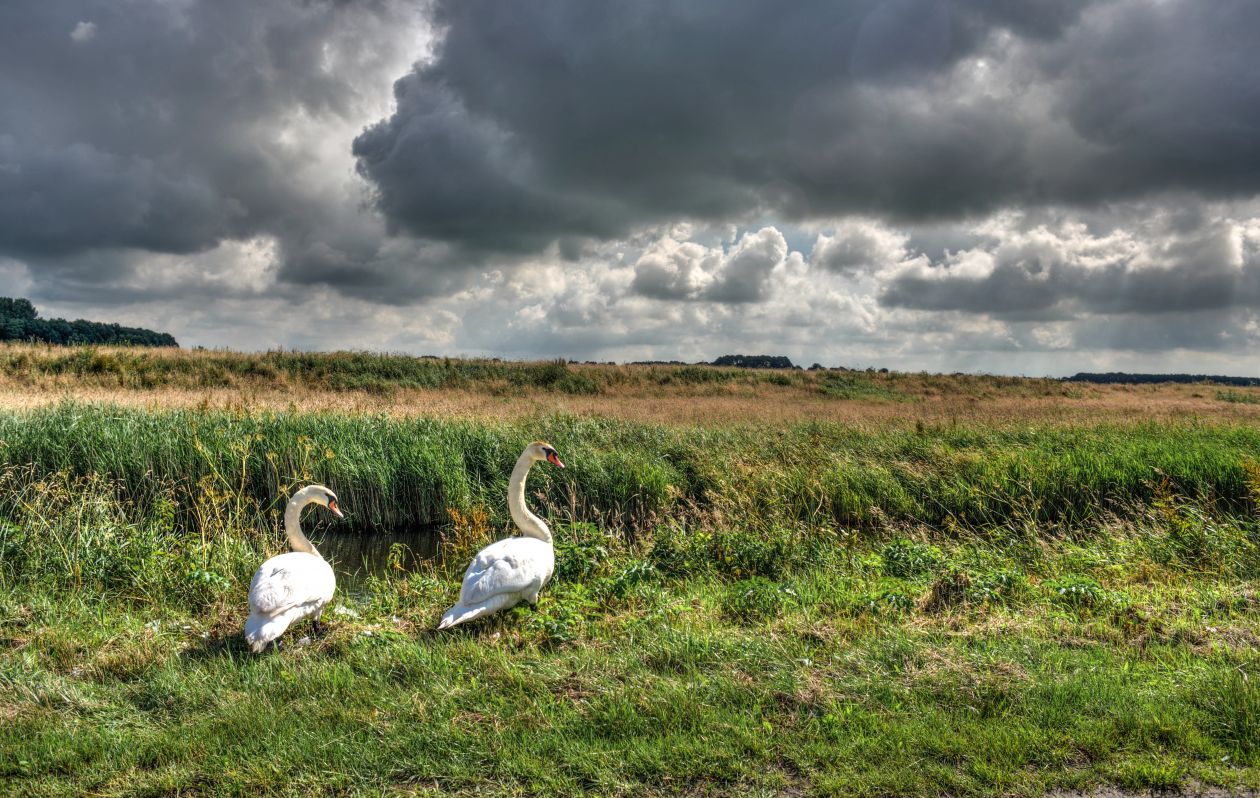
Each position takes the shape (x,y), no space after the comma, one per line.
(805,609)
(1239,397)
(410,472)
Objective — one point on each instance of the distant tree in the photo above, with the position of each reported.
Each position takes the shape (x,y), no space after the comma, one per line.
(1120,377)
(754,361)
(19,321)
(17,309)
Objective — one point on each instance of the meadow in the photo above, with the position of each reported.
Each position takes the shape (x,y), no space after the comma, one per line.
(768,582)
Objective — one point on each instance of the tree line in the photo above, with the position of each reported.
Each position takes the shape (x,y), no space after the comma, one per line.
(19,321)
(1121,377)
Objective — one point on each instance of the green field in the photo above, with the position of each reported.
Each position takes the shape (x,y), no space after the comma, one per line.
(776,607)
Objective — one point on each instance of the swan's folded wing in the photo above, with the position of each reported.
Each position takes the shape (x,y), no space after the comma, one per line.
(493,576)
(272,589)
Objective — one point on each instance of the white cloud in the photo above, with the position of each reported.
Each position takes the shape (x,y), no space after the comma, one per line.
(859,245)
(83,32)
(672,267)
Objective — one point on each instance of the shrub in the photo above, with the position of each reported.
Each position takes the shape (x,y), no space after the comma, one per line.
(1195,539)
(998,587)
(629,579)
(739,553)
(1078,591)
(559,621)
(679,551)
(756,600)
(907,559)
(746,552)
(849,386)
(887,600)
(950,590)
(577,384)
(582,551)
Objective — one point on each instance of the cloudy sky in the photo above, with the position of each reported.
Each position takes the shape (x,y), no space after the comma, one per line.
(1037,187)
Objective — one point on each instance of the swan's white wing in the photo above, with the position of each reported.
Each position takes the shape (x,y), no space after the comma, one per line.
(509,566)
(290,580)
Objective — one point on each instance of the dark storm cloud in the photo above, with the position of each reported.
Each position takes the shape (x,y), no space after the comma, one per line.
(1166,94)
(160,127)
(564,118)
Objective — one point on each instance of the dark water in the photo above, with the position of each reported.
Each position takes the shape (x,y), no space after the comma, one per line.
(357,556)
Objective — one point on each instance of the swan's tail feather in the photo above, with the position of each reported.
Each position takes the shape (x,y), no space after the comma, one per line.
(262,629)
(461,613)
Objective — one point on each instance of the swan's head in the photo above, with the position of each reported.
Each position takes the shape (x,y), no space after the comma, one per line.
(541,450)
(321,495)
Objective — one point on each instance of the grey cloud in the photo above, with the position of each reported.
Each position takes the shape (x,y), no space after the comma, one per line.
(158,127)
(1008,290)
(59,201)
(560,119)
(1159,267)
(390,272)
(858,246)
(556,119)
(1202,331)
(1167,95)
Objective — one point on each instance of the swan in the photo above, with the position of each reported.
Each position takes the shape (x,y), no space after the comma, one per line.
(293,585)
(510,571)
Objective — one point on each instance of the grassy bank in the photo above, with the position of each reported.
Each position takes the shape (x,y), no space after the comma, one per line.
(778,608)
(500,391)
(147,368)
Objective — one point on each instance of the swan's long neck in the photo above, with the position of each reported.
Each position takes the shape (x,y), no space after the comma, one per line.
(530,525)
(293,525)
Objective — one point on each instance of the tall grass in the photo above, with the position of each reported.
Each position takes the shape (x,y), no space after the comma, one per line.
(409,473)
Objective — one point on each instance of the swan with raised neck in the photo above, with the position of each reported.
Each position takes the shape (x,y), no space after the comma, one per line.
(510,571)
(530,525)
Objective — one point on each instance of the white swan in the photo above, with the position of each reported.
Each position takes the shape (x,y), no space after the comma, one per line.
(510,571)
(294,585)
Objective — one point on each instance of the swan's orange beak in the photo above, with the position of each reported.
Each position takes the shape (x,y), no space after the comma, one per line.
(332,505)
(554,459)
